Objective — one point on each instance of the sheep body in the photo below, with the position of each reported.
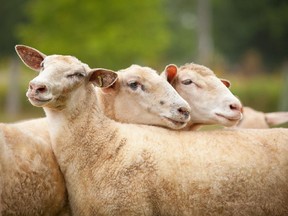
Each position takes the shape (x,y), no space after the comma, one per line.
(111,171)
(124,169)
(22,135)
(31,181)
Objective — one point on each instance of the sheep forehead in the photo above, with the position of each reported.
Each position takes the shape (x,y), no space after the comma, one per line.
(63,58)
(61,63)
(200,74)
(144,74)
(67,61)
(196,68)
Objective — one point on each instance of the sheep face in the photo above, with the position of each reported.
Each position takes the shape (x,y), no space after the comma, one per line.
(65,72)
(148,99)
(210,100)
(59,76)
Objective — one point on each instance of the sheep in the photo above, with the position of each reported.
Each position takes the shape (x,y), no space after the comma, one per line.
(257,119)
(211,102)
(112,168)
(202,80)
(134,82)
(31,180)
(115,108)
(148,99)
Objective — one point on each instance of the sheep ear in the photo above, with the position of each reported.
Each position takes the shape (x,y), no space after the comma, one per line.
(31,57)
(170,72)
(112,89)
(226,83)
(276,118)
(103,78)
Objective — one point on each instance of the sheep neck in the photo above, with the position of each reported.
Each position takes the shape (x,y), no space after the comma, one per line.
(80,130)
(107,103)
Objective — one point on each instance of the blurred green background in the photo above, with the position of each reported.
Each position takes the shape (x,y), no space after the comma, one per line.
(243,41)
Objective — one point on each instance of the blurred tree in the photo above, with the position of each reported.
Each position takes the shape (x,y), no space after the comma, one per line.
(111,34)
(259,25)
(11,14)
(204,37)
(283,105)
(182,23)
(13,105)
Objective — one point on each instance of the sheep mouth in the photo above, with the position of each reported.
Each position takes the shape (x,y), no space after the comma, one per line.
(38,101)
(230,118)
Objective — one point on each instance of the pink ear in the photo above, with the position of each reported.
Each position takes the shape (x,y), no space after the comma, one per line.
(171,72)
(30,56)
(226,82)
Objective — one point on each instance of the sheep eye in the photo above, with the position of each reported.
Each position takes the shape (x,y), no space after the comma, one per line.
(133,85)
(187,82)
(77,74)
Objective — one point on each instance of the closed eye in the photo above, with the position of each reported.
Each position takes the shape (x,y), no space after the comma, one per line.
(77,74)
(187,82)
(134,85)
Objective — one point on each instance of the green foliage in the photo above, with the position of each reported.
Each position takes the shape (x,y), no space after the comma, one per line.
(260,92)
(113,34)
(11,14)
(260,25)
(182,22)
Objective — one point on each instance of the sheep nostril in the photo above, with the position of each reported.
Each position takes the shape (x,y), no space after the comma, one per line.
(235,107)
(38,88)
(41,89)
(184,111)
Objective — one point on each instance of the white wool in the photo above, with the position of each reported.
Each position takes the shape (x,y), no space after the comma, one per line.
(124,169)
(31,181)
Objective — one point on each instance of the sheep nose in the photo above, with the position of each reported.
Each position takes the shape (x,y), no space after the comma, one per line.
(236,107)
(37,88)
(184,111)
